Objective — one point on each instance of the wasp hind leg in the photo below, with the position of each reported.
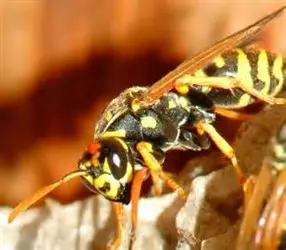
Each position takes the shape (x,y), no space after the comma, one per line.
(184,83)
(145,150)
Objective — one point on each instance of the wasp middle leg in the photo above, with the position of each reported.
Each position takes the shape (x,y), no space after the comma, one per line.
(223,145)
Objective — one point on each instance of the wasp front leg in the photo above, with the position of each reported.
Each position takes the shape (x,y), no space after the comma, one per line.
(184,84)
(145,150)
(119,217)
(118,208)
(137,182)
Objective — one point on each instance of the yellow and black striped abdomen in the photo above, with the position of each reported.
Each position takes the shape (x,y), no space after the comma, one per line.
(258,69)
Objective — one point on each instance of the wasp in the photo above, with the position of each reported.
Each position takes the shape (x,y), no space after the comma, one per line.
(263,224)
(140,125)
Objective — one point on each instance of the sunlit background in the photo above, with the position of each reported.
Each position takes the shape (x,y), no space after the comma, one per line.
(62,61)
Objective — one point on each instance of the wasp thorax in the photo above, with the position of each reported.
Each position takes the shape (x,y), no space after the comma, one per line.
(109,168)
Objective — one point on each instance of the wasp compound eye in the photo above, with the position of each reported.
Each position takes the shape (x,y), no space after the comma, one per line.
(115,156)
(116,159)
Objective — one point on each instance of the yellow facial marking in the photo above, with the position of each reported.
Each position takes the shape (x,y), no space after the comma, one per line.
(263,71)
(219,61)
(106,167)
(184,103)
(117,133)
(243,69)
(148,122)
(89,179)
(171,104)
(114,185)
(128,175)
(277,72)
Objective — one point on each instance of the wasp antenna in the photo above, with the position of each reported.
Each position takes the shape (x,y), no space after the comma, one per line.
(25,204)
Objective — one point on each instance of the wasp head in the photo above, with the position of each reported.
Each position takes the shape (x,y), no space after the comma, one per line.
(109,168)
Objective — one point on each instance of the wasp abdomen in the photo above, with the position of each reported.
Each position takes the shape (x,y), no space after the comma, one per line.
(256,68)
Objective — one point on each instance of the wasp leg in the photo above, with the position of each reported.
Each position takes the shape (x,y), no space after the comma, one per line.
(248,189)
(184,83)
(223,145)
(280,230)
(254,202)
(119,215)
(267,225)
(275,230)
(137,182)
(232,114)
(272,220)
(156,169)
(156,183)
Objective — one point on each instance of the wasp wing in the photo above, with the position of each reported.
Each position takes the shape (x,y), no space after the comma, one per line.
(189,66)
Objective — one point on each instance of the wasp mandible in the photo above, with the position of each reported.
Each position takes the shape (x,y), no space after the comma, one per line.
(140,125)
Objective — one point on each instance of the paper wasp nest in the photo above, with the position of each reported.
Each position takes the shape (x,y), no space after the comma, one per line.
(208,220)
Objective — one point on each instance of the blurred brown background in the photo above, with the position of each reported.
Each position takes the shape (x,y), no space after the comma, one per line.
(62,61)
